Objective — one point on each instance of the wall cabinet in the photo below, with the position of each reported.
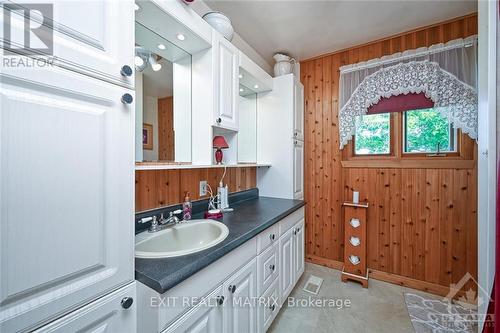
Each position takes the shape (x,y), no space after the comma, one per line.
(70,172)
(115,312)
(91,37)
(243,292)
(226,92)
(280,115)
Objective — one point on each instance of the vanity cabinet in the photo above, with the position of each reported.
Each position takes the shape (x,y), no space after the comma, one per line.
(298,169)
(240,289)
(240,292)
(69,173)
(226,88)
(202,318)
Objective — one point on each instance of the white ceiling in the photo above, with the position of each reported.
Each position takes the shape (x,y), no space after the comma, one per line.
(308,28)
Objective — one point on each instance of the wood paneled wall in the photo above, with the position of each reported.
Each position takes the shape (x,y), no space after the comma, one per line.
(157,188)
(166,150)
(422,223)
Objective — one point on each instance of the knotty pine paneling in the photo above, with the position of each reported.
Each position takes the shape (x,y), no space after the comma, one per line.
(422,223)
(166,147)
(156,188)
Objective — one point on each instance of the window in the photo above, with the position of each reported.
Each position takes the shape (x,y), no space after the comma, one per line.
(427,131)
(373,134)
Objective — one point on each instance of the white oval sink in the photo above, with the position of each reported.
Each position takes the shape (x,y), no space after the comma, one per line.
(181,239)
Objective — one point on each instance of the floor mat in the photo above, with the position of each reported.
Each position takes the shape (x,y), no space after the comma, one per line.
(439,316)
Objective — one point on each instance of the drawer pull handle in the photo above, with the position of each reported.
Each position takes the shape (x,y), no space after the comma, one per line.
(232,288)
(355,223)
(127,302)
(272,307)
(127,98)
(218,120)
(272,236)
(220,300)
(272,267)
(354,259)
(354,241)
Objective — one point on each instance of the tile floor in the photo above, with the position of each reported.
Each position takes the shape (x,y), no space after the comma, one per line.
(380,308)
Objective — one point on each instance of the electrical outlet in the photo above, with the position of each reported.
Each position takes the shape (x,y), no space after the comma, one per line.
(203,187)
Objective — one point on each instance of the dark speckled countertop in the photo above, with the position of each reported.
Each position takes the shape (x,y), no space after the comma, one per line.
(249,218)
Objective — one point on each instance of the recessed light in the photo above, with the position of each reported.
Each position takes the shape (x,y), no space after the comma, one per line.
(138,61)
(137,7)
(256,86)
(241,89)
(180,37)
(240,76)
(161,46)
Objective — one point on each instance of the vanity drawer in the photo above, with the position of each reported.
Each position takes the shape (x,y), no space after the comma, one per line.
(267,268)
(291,220)
(268,308)
(268,237)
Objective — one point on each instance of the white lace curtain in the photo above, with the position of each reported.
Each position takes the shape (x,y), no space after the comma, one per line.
(446,73)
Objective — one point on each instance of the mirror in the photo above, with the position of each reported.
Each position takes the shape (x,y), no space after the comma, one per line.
(163,99)
(247,135)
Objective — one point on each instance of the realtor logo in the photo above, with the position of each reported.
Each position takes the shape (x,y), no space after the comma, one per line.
(28,29)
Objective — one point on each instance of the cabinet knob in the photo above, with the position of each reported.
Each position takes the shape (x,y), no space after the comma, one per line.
(219,120)
(295,134)
(126,70)
(232,288)
(272,267)
(127,98)
(272,236)
(127,302)
(295,231)
(272,307)
(220,300)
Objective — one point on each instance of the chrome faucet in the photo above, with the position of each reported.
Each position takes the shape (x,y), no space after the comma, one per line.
(164,223)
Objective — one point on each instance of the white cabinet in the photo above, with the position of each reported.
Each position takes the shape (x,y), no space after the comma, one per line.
(292,257)
(267,268)
(280,120)
(298,169)
(226,90)
(67,193)
(299,250)
(91,37)
(298,111)
(115,312)
(205,317)
(268,307)
(287,279)
(239,311)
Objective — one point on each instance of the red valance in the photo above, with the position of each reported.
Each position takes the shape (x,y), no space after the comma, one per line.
(400,103)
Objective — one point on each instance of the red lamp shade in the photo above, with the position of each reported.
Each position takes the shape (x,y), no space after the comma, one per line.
(220,143)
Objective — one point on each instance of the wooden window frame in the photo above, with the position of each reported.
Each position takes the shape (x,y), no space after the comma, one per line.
(464,158)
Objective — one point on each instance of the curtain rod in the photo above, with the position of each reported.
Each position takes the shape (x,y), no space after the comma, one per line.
(401,56)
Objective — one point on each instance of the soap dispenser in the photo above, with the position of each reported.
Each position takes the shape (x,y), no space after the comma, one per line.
(187,208)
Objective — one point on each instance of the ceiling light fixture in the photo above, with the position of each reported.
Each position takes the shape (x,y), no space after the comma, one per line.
(137,7)
(161,46)
(180,36)
(241,89)
(240,76)
(256,86)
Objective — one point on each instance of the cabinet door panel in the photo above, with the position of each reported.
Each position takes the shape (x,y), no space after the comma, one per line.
(239,311)
(67,193)
(298,169)
(206,317)
(286,264)
(268,307)
(95,37)
(267,268)
(299,254)
(105,315)
(298,112)
(227,99)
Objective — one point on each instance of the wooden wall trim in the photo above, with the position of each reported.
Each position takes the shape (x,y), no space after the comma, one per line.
(410,164)
(422,220)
